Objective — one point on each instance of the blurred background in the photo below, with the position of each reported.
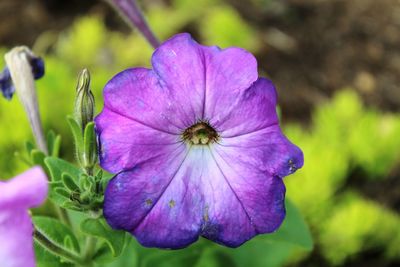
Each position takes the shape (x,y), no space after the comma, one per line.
(336,64)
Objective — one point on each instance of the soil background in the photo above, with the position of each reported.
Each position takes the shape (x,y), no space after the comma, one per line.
(313,47)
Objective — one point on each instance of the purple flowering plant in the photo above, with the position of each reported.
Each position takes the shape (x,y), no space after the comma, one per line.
(196,148)
(189,148)
(25,191)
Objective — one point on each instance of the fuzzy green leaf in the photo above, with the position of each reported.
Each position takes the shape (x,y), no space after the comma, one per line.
(56,147)
(69,182)
(37,157)
(90,150)
(71,206)
(293,230)
(29,146)
(46,259)
(58,166)
(99,228)
(64,193)
(78,137)
(56,232)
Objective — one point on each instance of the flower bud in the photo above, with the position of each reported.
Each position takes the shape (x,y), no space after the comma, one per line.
(6,84)
(84,102)
(133,16)
(24,67)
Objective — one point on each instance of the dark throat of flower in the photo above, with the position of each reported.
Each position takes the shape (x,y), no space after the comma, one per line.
(201,133)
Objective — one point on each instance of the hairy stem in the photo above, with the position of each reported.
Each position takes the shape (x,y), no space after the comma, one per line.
(90,248)
(55,249)
(63,215)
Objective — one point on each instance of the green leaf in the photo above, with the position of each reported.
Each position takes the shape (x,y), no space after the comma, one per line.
(99,228)
(57,193)
(51,136)
(260,254)
(149,257)
(214,258)
(37,157)
(69,182)
(58,166)
(57,233)
(62,192)
(90,150)
(105,178)
(29,146)
(293,230)
(71,206)
(78,138)
(53,143)
(104,255)
(46,259)
(129,256)
(56,147)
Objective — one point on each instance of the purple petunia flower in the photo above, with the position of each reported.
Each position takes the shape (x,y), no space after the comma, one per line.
(16,231)
(196,148)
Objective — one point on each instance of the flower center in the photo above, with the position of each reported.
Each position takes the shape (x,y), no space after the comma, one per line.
(200,133)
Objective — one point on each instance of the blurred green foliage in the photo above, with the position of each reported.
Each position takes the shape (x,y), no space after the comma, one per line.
(344,137)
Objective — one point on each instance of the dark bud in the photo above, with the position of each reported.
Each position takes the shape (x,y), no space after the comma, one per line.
(6,85)
(37,65)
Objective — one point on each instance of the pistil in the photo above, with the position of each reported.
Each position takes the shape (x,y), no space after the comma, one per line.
(200,133)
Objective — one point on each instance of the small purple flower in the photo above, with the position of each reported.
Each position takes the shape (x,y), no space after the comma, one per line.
(196,148)
(6,85)
(16,197)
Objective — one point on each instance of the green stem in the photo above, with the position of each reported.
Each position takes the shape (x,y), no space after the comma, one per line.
(63,215)
(90,249)
(55,249)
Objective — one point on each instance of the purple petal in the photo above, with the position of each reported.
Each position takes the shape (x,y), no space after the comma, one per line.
(229,73)
(267,150)
(206,79)
(180,64)
(130,195)
(6,85)
(125,143)
(225,218)
(16,241)
(16,196)
(260,194)
(137,94)
(198,201)
(254,110)
(24,191)
(37,65)
(177,215)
